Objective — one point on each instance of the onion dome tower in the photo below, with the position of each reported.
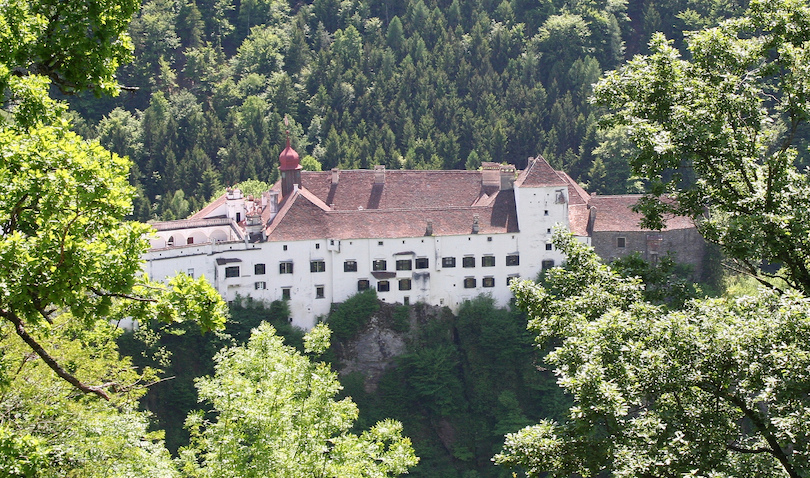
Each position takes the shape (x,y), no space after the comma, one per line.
(289,166)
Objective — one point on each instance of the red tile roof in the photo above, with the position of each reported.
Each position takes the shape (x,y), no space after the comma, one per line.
(402,189)
(358,206)
(401,207)
(578,217)
(204,212)
(614,213)
(539,173)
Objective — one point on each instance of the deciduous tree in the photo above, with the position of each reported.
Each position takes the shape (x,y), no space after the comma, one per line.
(276,416)
(718,133)
(719,388)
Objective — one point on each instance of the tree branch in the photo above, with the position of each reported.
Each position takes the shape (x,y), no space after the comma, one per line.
(734,447)
(121,296)
(19,327)
(775,449)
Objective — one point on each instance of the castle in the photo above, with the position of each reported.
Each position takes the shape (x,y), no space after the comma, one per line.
(438,237)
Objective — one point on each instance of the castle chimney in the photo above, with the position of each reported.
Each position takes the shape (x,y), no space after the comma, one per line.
(491,174)
(273,204)
(476,226)
(429,228)
(379,174)
(508,173)
(335,175)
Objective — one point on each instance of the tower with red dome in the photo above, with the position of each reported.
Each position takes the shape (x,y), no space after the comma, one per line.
(290,168)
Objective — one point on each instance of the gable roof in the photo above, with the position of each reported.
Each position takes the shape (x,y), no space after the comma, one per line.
(402,206)
(539,173)
(401,189)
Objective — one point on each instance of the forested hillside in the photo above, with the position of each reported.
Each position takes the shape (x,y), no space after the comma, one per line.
(413,84)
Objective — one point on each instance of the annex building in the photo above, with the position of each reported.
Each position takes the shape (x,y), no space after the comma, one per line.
(439,237)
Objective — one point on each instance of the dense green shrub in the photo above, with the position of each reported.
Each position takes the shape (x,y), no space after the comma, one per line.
(352,315)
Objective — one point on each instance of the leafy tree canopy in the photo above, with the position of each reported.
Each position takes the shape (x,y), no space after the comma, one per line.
(276,416)
(69,263)
(720,133)
(719,388)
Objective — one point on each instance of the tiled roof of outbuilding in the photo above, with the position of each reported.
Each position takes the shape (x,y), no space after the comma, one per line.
(614,213)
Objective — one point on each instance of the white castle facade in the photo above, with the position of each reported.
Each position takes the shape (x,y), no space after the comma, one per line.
(316,238)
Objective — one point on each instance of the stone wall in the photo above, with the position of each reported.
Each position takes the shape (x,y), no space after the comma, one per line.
(688,246)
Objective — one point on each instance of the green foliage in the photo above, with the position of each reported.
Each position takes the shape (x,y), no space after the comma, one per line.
(73,46)
(276,416)
(50,429)
(400,320)
(185,353)
(441,387)
(719,387)
(721,130)
(66,251)
(665,283)
(353,314)
(21,455)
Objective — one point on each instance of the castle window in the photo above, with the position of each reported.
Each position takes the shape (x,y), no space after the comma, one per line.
(448,262)
(379,265)
(285,267)
(404,264)
(422,263)
(404,284)
(513,260)
(488,282)
(545,213)
(547,264)
(548,246)
(284,247)
(621,242)
(350,266)
(190,240)
(232,271)
(170,242)
(317,266)
(190,273)
(488,261)
(511,278)
(286,293)
(362,284)
(317,246)
(258,269)
(383,286)
(319,292)
(469,283)
(468,261)
(260,285)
